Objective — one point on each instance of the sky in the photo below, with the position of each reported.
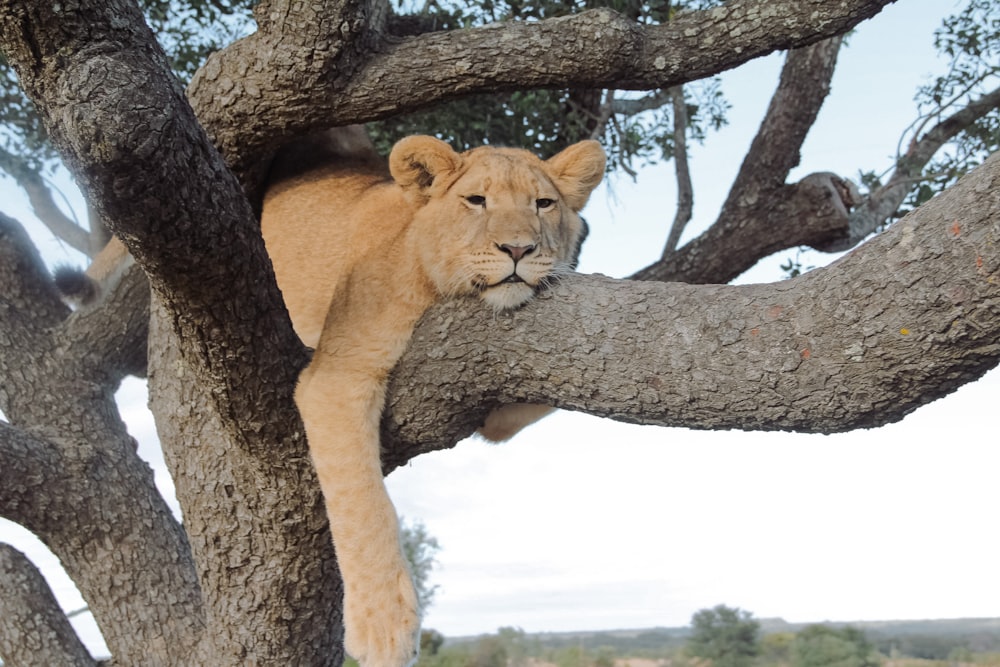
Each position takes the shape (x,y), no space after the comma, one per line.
(581,523)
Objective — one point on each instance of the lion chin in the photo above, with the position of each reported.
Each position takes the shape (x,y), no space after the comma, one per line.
(508,295)
(360,253)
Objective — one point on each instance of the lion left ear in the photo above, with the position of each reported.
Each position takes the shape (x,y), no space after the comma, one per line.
(577,170)
(416,161)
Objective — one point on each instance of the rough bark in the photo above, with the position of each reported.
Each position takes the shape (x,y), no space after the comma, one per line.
(115,111)
(861,344)
(68,468)
(904,319)
(249,111)
(762,214)
(33,629)
(257,528)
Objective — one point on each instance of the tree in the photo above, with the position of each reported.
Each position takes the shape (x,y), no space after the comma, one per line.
(823,646)
(250,576)
(419,548)
(727,636)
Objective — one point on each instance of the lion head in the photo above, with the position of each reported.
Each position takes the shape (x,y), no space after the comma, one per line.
(497,222)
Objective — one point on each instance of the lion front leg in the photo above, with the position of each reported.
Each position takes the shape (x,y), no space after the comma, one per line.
(341,414)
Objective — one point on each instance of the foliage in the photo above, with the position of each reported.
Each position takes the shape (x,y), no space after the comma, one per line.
(546,121)
(912,644)
(793,267)
(188,31)
(970,40)
(823,646)
(419,548)
(727,636)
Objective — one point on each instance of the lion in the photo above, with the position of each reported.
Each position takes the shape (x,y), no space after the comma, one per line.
(360,252)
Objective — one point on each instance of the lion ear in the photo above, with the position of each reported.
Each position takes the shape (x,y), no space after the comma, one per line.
(416,161)
(577,170)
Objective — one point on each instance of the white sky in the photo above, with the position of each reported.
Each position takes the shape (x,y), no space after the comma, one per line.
(582,523)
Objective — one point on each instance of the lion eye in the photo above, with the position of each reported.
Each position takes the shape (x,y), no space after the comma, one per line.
(544,203)
(476,200)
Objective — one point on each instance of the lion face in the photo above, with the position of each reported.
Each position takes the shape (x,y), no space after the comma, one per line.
(495,222)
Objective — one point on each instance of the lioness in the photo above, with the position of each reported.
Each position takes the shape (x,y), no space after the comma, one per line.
(360,253)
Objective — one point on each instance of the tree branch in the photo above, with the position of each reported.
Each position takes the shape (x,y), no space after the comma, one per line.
(30,308)
(597,48)
(629,107)
(273,518)
(111,337)
(877,207)
(760,208)
(257,93)
(27,463)
(42,204)
(685,192)
(238,330)
(84,465)
(33,629)
(901,321)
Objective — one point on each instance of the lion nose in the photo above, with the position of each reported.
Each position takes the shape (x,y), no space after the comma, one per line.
(516,252)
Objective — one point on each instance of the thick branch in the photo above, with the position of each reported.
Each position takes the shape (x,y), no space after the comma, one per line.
(901,321)
(78,483)
(33,629)
(597,48)
(248,117)
(277,83)
(111,339)
(185,220)
(273,519)
(29,301)
(27,463)
(760,206)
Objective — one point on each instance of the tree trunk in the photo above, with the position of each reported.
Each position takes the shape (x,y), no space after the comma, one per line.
(250,578)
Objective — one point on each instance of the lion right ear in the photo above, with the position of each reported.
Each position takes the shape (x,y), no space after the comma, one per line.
(416,161)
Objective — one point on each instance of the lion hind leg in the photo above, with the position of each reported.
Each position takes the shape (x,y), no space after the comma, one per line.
(507,420)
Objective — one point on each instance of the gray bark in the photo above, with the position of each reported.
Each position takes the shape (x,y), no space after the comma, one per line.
(762,213)
(33,629)
(901,321)
(250,579)
(249,111)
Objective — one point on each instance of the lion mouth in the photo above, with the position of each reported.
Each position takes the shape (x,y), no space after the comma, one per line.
(511,280)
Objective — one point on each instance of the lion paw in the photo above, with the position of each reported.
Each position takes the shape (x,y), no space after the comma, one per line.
(381,624)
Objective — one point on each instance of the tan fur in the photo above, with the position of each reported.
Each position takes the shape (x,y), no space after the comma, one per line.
(105,270)
(359,257)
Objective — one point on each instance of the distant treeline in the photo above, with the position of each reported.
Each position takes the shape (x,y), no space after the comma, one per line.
(723,637)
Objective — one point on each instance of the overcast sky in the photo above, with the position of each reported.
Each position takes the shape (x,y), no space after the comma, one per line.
(582,523)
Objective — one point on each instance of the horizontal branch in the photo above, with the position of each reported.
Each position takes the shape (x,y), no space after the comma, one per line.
(250,103)
(901,321)
(597,48)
